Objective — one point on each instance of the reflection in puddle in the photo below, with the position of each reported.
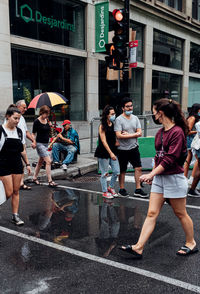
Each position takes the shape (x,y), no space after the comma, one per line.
(87,222)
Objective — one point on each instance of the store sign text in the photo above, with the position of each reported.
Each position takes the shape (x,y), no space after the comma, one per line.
(29,15)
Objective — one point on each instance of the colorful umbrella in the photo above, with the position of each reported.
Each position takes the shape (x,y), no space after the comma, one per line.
(48,98)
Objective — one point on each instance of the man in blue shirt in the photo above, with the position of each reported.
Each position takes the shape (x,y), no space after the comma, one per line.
(67,141)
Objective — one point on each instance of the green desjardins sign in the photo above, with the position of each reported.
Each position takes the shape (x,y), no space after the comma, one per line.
(30,15)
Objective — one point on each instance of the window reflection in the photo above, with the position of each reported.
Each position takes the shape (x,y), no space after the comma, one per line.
(194,58)
(165,85)
(167,50)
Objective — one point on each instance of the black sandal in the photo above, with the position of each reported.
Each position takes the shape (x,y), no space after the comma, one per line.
(35,181)
(128,249)
(187,251)
(25,187)
(52,184)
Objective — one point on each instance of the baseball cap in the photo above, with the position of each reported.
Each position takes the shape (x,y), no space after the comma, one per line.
(66,122)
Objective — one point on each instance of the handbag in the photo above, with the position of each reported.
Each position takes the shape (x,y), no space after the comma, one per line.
(196,142)
(2,193)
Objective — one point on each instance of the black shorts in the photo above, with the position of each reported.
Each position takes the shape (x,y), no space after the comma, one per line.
(132,156)
(11,167)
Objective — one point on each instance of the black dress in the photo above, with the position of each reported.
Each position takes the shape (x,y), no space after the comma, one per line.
(101,151)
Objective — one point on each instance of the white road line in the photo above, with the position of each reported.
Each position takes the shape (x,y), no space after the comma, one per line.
(148,274)
(127,197)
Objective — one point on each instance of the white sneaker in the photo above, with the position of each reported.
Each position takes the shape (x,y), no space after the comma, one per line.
(64,167)
(112,192)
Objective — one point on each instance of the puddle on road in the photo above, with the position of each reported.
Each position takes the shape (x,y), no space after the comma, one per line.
(87,222)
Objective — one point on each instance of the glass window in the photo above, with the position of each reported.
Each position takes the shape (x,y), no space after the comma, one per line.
(167,50)
(34,73)
(194,58)
(196,9)
(177,4)
(108,89)
(165,85)
(194,91)
(55,21)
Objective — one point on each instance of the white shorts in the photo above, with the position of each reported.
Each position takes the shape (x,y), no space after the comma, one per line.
(171,186)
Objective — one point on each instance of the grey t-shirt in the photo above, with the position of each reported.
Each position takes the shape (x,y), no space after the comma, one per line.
(129,125)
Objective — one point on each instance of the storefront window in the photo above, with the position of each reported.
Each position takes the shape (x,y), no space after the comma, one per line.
(165,85)
(54,21)
(194,58)
(194,91)
(167,50)
(34,73)
(108,89)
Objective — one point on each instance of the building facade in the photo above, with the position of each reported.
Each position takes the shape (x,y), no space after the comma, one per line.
(49,45)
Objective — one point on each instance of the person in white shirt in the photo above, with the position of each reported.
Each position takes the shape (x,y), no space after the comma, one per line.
(21,105)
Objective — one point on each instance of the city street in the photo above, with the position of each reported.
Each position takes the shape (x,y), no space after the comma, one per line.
(70,238)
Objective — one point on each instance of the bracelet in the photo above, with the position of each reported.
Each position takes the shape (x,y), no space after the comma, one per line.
(28,164)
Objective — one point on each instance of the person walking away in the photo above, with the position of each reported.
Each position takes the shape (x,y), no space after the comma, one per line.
(128,129)
(21,105)
(67,141)
(192,192)
(106,152)
(167,177)
(193,117)
(11,167)
(41,130)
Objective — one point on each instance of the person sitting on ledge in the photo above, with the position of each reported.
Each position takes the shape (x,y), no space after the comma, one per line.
(67,140)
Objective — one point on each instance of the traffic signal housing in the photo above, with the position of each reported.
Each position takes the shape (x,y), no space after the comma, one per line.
(111,60)
(121,33)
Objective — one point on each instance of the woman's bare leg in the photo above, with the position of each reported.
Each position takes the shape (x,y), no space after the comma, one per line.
(16,179)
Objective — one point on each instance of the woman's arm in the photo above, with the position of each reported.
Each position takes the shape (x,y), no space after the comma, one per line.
(105,144)
(26,161)
(149,177)
(191,122)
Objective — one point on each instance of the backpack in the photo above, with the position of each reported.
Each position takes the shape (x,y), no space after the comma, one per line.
(19,131)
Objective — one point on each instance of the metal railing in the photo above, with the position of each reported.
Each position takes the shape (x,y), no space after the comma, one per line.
(141,117)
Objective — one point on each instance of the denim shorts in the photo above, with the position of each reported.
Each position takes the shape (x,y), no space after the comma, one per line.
(189,141)
(171,186)
(42,149)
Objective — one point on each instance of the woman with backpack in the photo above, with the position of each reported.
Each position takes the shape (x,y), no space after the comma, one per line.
(11,153)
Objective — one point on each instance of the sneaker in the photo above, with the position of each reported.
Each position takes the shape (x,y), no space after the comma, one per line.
(193,193)
(112,192)
(140,193)
(107,195)
(123,192)
(64,167)
(16,220)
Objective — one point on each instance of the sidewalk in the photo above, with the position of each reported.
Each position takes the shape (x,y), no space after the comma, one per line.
(85,164)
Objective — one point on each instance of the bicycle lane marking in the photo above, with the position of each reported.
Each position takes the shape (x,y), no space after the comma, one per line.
(135,270)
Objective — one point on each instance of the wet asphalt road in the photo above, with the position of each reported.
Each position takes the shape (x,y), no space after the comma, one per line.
(70,238)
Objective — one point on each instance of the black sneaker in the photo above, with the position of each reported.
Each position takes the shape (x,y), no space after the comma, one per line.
(16,220)
(193,193)
(123,192)
(140,193)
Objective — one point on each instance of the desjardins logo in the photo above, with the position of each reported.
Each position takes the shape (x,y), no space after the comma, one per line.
(29,15)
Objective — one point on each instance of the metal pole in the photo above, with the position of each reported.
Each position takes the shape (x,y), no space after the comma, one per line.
(118,84)
(126,61)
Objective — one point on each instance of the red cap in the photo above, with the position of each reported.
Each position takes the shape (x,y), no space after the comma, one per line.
(66,122)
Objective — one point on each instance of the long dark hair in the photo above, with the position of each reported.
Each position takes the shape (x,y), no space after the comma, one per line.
(105,113)
(172,110)
(194,111)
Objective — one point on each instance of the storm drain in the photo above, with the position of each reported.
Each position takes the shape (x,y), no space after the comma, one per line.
(86,179)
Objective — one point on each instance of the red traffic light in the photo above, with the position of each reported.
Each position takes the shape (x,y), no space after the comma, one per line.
(118,14)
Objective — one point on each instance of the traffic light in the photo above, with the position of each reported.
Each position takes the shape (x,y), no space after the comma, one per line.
(111,60)
(121,33)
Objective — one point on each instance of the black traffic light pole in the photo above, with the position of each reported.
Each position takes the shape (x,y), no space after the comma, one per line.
(126,61)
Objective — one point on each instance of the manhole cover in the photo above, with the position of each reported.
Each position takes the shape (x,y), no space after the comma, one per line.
(86,179)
